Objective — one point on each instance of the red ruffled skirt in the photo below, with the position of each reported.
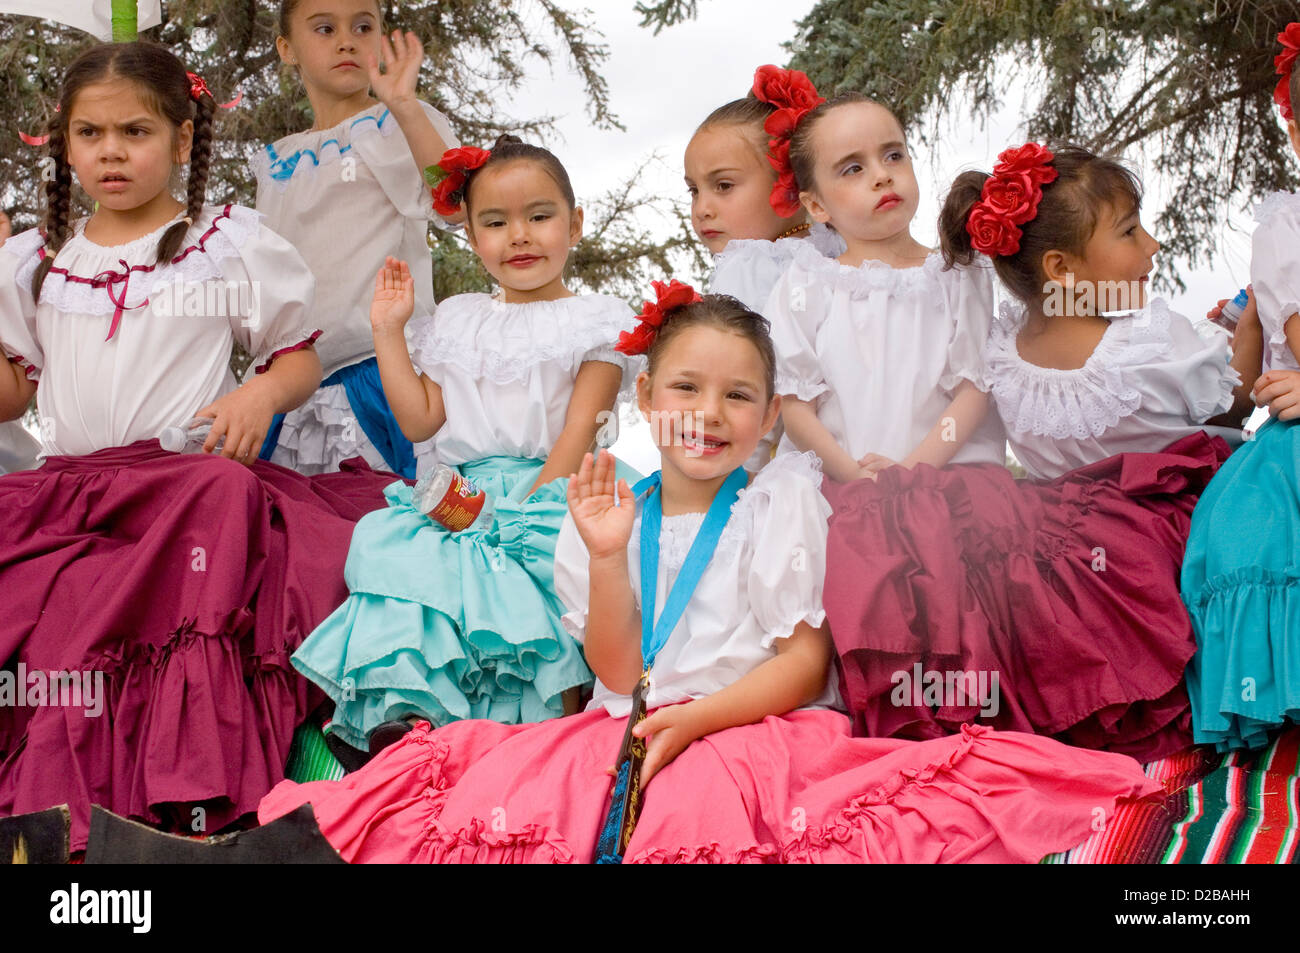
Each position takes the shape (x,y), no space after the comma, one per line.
(1067,591)
(174,588)
(794,789)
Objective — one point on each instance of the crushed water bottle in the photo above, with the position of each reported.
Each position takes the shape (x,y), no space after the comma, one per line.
(451,500)
(190,437)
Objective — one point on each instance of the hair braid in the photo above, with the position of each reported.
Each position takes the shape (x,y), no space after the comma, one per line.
(58,205)
(196,192)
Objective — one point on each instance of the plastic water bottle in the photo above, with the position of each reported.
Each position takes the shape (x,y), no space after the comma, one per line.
(190,437)
(1232,311)
(451,500)
(1257,419)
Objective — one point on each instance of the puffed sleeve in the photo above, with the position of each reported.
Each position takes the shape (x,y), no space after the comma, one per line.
(795,312)
(748,270)
(602,332)
(18,260)
(789,537)
(388,156)
(968,297)
(572,578)
(271,315)
(1275,278)
(1199,369)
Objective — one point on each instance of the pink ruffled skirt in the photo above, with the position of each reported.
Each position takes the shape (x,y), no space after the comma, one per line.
(794,789)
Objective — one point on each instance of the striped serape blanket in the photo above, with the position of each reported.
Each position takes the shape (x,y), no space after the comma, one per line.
(1220,809)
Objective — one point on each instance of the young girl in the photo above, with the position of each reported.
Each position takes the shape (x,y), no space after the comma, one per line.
(879,350)
(1057,595)
(347,193)
(513,390)
(744,762)
(744,213)
(163,592)
(1237,585)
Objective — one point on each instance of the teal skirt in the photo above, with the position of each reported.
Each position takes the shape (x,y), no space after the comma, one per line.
(446,625)
(1241,584)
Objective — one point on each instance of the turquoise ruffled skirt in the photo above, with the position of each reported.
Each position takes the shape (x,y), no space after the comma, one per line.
(447,625)
(1241,584)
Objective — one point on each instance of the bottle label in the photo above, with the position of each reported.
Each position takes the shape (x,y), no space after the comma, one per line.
(460,505)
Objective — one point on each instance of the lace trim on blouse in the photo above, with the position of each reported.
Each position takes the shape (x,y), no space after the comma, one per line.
(873,276)
(1083,402)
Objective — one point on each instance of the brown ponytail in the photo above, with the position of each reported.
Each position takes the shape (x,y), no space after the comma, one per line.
(954,240)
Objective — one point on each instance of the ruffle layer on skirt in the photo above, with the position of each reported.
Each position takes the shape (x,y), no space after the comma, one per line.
(317,436)
(450,625)
(794,789)
(175,587)
(1065,591)
(1241,582)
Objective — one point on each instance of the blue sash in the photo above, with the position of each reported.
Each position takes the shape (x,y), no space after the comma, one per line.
(625,804)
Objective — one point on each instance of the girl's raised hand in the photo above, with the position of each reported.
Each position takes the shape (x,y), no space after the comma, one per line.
(605,527)
(402,58)
(394,299)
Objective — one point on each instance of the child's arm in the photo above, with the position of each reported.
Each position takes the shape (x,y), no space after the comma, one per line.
(416,401)
(613,640)
(396,90)
(1247,359)
(808,433)
(16,390)
(1280,390)
(794,677)
(594,391)
(244,415)
(969,407)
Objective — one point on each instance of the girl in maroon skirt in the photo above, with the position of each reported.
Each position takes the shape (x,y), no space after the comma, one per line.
(1048,604)
(152,599)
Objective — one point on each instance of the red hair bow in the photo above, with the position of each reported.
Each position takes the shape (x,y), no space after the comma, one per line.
(198,87)
(1284,62)
(668,298)
(1010,199)
(794,96)
(447,179)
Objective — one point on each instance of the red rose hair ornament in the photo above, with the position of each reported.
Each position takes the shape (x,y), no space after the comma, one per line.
(447,179)
(668,298)
(1284,62)
(794,96)
(1010,199)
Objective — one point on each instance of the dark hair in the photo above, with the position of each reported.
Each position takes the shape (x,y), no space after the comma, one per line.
(288,6)
(1295,88)
(802,160)
(726,314)
(750,112)
(510,148)
(1067,216)
(165,88)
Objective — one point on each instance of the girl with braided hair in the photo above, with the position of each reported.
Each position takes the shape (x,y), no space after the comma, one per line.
(172,588)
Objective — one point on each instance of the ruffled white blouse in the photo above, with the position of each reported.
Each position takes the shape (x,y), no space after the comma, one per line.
(123,347)
(507,370)
(1275,274)
(748,270)
(346,197)
(880,351)
(1150,381)
(764,579)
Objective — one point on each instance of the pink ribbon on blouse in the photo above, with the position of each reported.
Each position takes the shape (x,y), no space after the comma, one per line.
(110,278)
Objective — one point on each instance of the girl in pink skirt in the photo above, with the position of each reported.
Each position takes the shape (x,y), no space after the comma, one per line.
(1059,593)
(152,599)
(698,597)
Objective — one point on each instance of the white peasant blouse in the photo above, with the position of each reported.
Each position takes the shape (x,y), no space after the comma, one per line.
(1150,381)
(763,580)
(1275,274)
(123,348)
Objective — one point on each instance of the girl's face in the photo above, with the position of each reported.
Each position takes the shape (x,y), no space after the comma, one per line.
(1116,262)
(707,402)
(121,150)
(329,41)
(863,182)
(522,228)
(730,184)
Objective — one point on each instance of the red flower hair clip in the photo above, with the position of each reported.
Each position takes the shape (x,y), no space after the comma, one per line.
(1284,63)
(447,179)
(668,298)
(794,96)
(198,88)
(1010,199)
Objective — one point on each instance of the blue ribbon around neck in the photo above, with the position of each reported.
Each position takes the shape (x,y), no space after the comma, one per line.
(655,634)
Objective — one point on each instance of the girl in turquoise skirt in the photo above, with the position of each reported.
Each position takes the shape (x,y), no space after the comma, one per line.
(1241,574)
(510,390)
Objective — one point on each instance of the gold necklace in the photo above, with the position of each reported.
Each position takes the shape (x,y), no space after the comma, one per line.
(794,231)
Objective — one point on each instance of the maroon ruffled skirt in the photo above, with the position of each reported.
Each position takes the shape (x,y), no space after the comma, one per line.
(1066,591)
(172,589)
